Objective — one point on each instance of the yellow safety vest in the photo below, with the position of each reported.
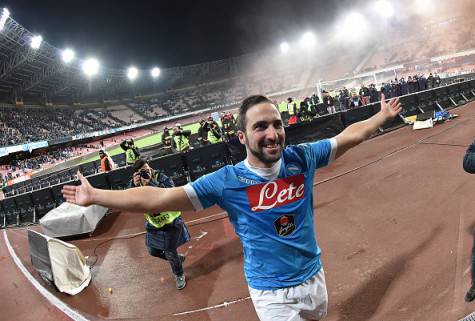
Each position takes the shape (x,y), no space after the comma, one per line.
(182,143)
(162,219)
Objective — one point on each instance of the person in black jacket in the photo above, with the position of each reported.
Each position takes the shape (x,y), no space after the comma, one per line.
(469,167)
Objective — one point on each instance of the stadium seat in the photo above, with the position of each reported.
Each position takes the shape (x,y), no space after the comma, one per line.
(427,101)
(455,93)
(442,97)
(56,190)
(409,105)
(43,202)
(236,150)
(99,181)
(352,116)
(466,91)
(206,159)
(173,166)
(87,169)
(119,159)
(119,178)
(26,208)
(11,212)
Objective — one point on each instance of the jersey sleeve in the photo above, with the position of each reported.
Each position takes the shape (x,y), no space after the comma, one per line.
(206,190)
(322,152)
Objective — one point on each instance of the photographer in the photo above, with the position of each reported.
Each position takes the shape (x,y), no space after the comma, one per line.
(229,126)
(214,132)
(131,152)
(165,231)
(181,138)
(167,139)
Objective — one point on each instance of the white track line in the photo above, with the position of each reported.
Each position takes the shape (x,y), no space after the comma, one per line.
(222,305)
(50,297)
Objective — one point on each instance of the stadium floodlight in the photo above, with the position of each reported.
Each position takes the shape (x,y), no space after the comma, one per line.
(90,67)
(353,28)
(384,9)
(68,55)
(308,40)
(36,42)
(132,73)
(3,19)
(284,47)
(155,72)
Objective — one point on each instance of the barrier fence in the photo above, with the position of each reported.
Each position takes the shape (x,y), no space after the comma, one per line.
(39,195)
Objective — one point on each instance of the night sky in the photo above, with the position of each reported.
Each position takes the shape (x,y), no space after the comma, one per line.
(169,33)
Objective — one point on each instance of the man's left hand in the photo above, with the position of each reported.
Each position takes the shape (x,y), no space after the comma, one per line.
(391,108)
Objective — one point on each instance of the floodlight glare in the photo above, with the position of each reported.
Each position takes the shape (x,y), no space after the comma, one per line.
(132,73)
(68,55)
(423,5)
(3,19)
(284,47)
(36,42)
(384,9)
(155,72)
(354,24)
(90,67)
(307,40)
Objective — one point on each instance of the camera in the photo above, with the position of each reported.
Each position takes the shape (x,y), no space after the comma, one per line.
(144,174)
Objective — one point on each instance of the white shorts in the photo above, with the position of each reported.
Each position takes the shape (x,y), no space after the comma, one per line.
(306,301)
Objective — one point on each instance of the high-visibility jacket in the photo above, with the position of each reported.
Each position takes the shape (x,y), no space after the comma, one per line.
(182,143)
(106,164)
(130,156)
(212,137)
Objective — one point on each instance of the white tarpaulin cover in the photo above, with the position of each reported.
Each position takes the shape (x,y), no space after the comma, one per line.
(71,219)
(70,272)
(429,123)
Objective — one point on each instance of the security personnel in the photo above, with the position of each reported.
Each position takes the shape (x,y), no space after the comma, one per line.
(107,164)
(181,138)
(131,152)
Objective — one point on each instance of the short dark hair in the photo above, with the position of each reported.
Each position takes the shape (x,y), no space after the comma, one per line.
(248,103)
(138,164)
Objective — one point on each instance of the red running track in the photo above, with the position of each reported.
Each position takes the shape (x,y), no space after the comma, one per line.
(394,218)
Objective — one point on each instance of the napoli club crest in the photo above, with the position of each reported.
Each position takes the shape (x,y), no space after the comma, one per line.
(285,225)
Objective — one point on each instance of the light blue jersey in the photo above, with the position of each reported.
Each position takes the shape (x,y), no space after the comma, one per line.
(273,219)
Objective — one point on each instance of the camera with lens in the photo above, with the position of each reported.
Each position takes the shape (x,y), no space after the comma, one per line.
(144,174)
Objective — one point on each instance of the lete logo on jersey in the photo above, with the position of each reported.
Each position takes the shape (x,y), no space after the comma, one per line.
(276,193)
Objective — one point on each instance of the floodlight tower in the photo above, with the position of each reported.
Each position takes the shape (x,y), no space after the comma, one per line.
(3,19)
(155,72)
(90,67)
(132,73)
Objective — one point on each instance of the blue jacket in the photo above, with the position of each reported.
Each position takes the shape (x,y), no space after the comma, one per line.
(469,159)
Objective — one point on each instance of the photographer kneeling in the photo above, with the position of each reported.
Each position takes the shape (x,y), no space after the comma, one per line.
(165,231)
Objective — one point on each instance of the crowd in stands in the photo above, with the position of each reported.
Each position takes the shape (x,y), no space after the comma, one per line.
(23,125)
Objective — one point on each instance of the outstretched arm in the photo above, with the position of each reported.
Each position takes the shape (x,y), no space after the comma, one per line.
(140,199)
(361,131)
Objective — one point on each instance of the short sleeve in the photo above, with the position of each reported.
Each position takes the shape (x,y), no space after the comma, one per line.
(322,152)
(206,190)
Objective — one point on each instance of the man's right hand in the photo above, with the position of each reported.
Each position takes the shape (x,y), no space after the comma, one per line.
(80,195)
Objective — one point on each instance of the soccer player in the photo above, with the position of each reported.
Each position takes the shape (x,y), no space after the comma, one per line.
(269,200)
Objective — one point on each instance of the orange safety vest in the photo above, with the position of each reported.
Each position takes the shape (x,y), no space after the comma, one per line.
(103,165)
